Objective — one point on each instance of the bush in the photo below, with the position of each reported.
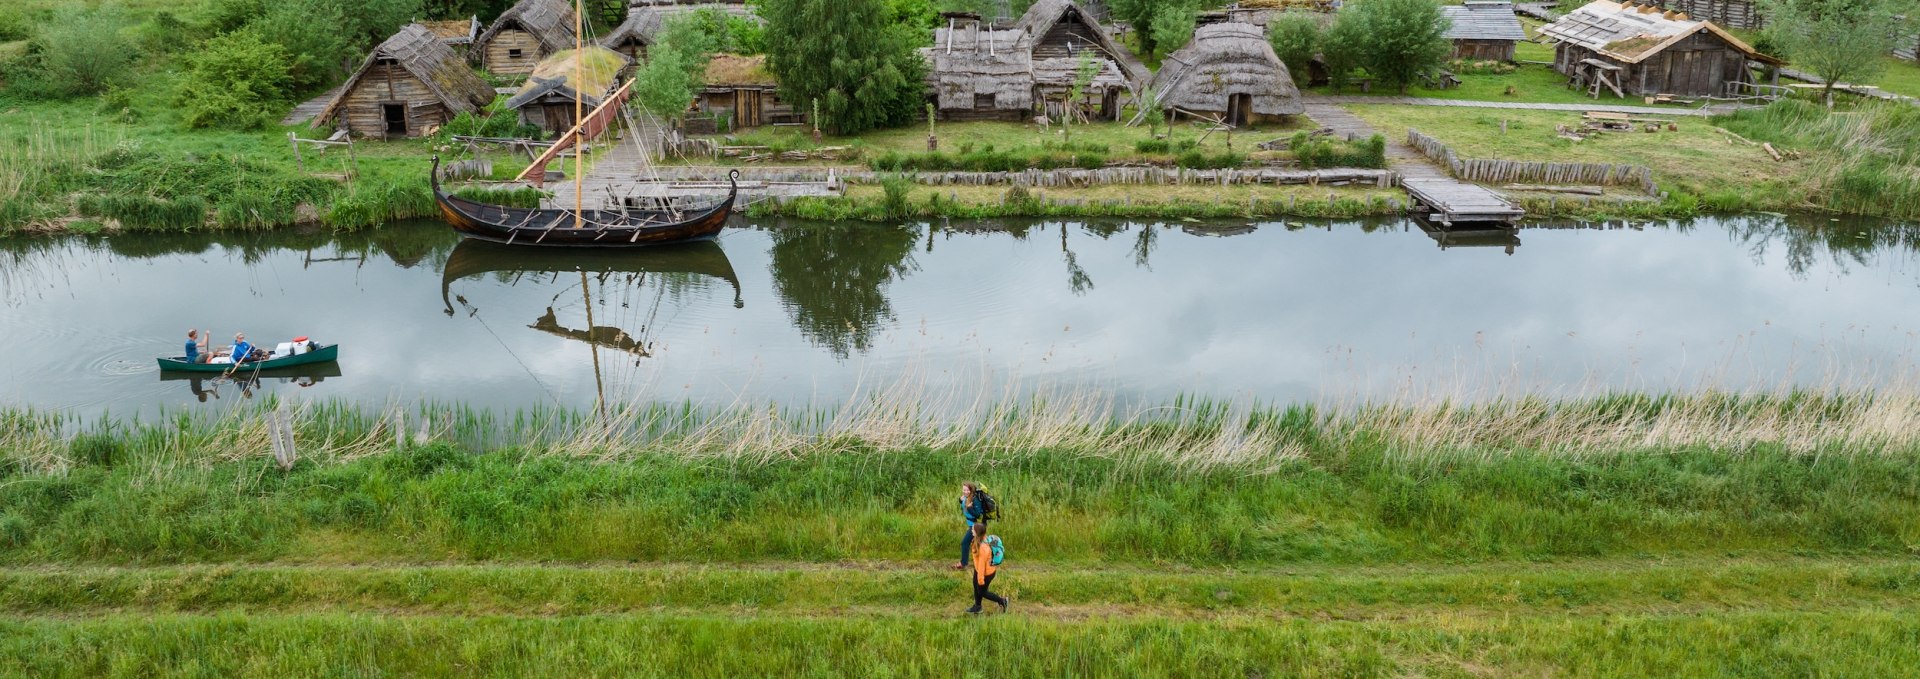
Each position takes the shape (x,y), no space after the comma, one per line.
(1196,159)
(1152,146)
(1296,39)
(1318,152)
(895,188)
(236,80)
(81,51)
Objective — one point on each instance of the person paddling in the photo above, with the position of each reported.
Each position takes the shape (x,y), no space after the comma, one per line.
(983,569)
(973,508)
(193,346)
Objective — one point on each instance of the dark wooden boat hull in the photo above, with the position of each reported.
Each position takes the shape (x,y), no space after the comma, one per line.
(323,354)
(476,257)
(545,227)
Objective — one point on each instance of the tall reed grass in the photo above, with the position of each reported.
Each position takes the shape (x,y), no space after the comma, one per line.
(1876,149)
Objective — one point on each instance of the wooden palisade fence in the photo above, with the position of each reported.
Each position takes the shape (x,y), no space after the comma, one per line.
(1519,171)
(1106,176)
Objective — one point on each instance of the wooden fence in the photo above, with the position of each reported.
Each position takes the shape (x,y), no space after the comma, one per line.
(1106,176)
(1520,171)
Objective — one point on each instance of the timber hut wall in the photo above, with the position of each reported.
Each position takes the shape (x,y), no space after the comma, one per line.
(385,82)
(1701,65)
(1517,171)
(1483,50)
(499,59)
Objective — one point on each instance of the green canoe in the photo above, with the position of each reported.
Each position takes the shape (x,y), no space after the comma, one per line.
(327,353)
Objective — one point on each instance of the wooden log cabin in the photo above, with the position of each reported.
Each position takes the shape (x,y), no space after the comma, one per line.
(740,93)
(1629,49)
(981,71)
(526,33)
(585,76)
(412,82)
(1483,31)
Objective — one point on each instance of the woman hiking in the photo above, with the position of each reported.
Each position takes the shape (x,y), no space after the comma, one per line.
(973,508)
(983,569)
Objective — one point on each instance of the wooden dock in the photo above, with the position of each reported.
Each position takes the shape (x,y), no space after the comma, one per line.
(1446,200)
(619,172)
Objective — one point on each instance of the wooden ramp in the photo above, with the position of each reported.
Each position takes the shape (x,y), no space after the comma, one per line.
(311,107)
(619,173)
(1450,201)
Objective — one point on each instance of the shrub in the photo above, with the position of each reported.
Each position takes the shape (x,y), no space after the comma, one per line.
(81,51)
(1152,146)
(236,80)
(895,188)
(1296,39)
(1196,159)
(1317,152)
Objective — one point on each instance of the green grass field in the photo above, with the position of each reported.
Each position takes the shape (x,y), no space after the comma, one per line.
(1694,536)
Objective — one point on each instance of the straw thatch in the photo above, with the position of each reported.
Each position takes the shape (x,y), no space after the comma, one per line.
(570,74)
(736,70)
(549,22)
(645,19)
(1224,61)
(416,69)
(1064,23)
(455,31)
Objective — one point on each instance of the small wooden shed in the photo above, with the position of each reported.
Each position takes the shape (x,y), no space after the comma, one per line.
(1641,50)
(529,31)
(1483,31)
(1231,72)
(411,82)
(585,76)
(742,91)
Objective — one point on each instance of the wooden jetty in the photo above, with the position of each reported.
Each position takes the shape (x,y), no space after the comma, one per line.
(1445,200)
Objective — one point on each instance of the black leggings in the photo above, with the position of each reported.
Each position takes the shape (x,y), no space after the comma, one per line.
(980,592)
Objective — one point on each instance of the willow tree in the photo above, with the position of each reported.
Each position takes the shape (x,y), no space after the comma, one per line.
(855,56)
(1404,39)
(1839,40)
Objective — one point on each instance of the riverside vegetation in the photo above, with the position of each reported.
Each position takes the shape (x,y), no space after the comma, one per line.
(1697,535)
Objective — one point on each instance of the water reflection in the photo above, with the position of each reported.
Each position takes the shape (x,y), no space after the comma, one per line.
(833,279)
(207,387)
(1463,236)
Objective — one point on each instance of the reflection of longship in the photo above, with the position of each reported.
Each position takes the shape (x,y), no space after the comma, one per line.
(599,335)
(474,258)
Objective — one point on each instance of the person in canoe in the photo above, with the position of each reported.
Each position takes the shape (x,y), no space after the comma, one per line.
(194,354)
(241,351)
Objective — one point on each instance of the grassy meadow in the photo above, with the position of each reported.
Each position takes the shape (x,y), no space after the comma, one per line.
(1675,536)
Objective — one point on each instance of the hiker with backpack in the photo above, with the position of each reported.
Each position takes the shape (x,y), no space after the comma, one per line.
(977,507)
(987,556)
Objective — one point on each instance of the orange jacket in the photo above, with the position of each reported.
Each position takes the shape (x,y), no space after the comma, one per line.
(982,561)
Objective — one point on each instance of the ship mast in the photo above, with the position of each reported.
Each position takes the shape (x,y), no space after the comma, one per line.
(579,93)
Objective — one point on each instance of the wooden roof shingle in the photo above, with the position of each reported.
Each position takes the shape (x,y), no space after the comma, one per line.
(550,22)
(422,54)
(1630,33)
(1483,21)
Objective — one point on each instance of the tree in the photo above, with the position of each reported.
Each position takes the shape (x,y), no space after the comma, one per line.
(676,64)
(1173,25)
(1340,48)
(1137,15)
(1296,38)
(81,51)
(833,280)
(868,75)
(1403,39)
(1839,40)
(235,80)
(309,32)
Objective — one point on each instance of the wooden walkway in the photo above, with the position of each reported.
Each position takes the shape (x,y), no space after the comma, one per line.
(1448,200)
(619,171)
(311,107)
(1597,105)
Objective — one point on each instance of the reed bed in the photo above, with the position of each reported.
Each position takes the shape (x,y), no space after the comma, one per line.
(1876,148)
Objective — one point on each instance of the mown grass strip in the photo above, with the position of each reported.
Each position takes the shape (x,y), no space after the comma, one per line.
(1612,587)
(1860,642)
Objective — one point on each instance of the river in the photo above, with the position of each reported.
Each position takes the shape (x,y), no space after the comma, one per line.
(818,314)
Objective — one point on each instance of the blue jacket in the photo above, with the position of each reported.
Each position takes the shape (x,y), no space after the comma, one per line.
(241,350)
(973,510)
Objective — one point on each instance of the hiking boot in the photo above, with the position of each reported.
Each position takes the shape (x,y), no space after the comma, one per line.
(957,566)
(973,611)
(1003,606)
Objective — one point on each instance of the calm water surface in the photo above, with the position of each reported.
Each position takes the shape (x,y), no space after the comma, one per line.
(819,313)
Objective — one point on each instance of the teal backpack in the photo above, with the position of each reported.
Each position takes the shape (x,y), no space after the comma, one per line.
(999,551)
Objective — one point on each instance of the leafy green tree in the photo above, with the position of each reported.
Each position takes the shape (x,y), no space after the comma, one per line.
(309,32)
(854,56)
(1173,25)
(81,51)
(1340,48)
(1840,40)
(1138,16)
(1404,39)
(1296,38)
(236,80)
(667,81)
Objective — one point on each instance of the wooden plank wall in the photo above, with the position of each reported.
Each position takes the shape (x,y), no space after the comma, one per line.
(362,113)
(1483,50)
(498,57)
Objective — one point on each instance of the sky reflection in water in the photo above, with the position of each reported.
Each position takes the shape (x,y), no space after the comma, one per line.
(819,313)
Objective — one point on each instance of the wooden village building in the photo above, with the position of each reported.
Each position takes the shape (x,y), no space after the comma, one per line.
(456,33)
(1640,50)
(529,31)
(645,18)
(739,93)
(982,71)
(584,76)
(411,83)
(1483,31)
(1230,72)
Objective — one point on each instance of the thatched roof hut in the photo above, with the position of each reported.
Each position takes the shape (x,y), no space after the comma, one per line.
(524,34)
(1228,70)
(586,75)
(978,70)
(1631,49)
(1483,30)
(410,83)
(740,90)
(645,19)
